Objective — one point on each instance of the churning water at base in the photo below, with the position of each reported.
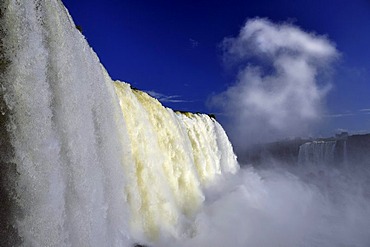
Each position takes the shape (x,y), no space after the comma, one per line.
(287,207)
(91,162)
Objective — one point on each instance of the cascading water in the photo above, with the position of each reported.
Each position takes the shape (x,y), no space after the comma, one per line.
(95,162)
(86,161)
(345,152)
(317,152)
(175,156)
(63,127)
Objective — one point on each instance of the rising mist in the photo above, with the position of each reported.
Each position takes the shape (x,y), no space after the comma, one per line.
(280,88)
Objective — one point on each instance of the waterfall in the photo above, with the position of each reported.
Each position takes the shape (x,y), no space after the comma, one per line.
(317,152)
(94,162)
(345,153)
(175,155)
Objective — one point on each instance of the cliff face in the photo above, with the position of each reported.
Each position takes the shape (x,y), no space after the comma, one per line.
(358,149)
(352,150)
(282,151)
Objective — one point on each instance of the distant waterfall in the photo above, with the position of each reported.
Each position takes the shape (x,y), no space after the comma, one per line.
(317,152)
(93,162)
(345,152)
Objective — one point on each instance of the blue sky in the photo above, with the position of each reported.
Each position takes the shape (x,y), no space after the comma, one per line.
(174,48)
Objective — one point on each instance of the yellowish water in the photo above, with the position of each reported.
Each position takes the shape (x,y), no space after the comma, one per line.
(175,156)
(97,163)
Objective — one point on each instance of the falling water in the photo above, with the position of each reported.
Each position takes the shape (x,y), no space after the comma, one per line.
(86,161)
(175,156)
(317,152)
(345,152)
(96,162)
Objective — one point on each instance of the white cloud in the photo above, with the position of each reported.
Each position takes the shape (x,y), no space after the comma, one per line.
(166,98)
(262,37)
(349,114)
(193,43)
(340,115)
(277,92)
(365,110)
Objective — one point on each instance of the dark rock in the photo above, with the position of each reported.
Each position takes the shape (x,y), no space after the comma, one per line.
(79,28)
(212,116)
(8,171)
(285,151)
(358,149)
(134,88)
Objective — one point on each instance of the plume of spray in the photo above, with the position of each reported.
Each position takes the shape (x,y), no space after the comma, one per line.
(277,207)
(282,204)
(279,90)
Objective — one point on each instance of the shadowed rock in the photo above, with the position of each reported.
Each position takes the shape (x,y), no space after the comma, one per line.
(79,28)
(8,171)
(140,245)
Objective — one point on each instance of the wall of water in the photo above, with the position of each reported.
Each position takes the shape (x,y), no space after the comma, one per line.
(324,153)
(95,163)
(176,155)
(63,129)
(317,152)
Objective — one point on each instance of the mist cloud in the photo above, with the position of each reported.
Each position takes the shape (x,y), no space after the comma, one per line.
(279,90)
